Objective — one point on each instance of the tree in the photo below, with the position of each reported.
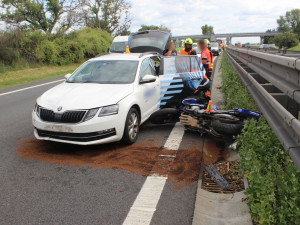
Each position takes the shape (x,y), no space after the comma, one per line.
(154,27)
(109,15)
(268,39)
(45,15)
(290,22)
(207,29)
(286,40)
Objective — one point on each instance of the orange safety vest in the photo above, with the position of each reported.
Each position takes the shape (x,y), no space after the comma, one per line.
(183,52)
(209,56)
(211,64)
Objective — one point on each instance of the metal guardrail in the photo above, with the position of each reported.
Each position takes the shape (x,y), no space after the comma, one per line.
(288,53)
(274,83)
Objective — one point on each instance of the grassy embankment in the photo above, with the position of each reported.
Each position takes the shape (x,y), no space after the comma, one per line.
(274,180)
(27,75)
(295,48)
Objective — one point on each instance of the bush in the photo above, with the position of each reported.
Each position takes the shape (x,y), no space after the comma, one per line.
(37,47)
(273,179)
(286,40)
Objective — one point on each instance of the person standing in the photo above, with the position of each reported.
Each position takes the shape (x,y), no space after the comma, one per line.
(171,50)
(188,48)
(206,56)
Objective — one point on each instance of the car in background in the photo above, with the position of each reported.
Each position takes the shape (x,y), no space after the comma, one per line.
(215,48)
(119,44)
(267,46)
(108,97)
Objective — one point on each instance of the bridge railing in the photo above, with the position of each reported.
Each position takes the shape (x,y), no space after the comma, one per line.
(274,83)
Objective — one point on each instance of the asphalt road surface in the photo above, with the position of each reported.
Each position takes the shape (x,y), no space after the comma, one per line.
(38,192)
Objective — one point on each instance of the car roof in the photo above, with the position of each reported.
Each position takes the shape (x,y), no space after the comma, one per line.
(121,39)
(123,56)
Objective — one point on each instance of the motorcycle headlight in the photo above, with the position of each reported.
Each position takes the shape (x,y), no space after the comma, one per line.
(90,114)
(109,110)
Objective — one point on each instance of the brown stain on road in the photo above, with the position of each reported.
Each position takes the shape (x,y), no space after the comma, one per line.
(138,158)
(142,158)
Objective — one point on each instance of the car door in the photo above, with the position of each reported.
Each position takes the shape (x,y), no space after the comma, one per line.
(180,78)
(148,93)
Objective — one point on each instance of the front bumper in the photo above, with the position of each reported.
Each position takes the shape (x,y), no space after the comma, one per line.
(98,130)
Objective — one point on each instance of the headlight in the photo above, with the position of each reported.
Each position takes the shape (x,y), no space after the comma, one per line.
(109,110)
(90,114)
(37,109)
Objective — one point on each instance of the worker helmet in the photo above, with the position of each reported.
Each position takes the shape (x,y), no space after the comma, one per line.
(206,42)
(188,41)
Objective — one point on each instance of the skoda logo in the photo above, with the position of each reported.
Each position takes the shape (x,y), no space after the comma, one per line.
(59,108)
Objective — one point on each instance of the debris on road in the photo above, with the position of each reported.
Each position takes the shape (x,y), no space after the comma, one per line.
(218,178)
(230,170)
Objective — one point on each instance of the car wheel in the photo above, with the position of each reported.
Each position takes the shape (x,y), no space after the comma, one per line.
(132,127)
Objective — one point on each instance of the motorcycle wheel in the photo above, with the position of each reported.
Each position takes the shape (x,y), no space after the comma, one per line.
(227,128)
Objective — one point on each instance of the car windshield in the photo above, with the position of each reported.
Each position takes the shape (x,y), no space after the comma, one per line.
(105,72)
(214,44)
(118,47)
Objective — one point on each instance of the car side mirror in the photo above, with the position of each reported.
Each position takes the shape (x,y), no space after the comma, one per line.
(148,79)
(67,76)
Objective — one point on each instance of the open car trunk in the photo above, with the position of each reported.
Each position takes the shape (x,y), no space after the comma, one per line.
(148,41)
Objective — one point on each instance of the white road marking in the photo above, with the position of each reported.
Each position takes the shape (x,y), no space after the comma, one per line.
(175,137)
(144,206)
(35,86)
(214,59)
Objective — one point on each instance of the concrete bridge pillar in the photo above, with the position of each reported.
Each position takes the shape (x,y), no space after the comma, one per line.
(261,40)
(213,38)
(228,40)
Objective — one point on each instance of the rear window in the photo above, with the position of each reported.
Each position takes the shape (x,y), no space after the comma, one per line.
(118,47)
(181,64)
(148,41)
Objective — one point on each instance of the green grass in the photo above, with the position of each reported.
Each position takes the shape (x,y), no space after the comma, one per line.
(178,50)
(27,75)
(236,95)
(295,48)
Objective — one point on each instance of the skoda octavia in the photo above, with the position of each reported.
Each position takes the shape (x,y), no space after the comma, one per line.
(109,97)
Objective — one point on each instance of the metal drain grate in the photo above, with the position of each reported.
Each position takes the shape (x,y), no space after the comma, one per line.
(231,172)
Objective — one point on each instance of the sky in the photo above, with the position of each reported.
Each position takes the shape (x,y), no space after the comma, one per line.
(185,17)
(226,16)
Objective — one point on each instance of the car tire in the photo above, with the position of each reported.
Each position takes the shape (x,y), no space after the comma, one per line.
(163,116)
(227,128)
(132,127)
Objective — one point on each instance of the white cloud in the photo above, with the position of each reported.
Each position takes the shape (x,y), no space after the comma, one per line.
(227,16)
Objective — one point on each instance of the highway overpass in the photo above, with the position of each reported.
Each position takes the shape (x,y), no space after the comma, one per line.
(228,36)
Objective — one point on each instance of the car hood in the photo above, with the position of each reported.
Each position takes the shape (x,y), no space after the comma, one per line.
(71,96)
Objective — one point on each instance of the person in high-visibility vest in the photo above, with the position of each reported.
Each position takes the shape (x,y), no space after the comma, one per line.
(206,56)
(188,48)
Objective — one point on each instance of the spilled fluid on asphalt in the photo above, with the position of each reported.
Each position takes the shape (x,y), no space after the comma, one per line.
(142,158)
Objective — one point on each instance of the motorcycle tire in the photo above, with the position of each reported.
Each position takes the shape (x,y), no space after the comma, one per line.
(227,128)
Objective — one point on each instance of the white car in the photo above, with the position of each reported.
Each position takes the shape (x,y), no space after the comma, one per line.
(109,97)
(119,44)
